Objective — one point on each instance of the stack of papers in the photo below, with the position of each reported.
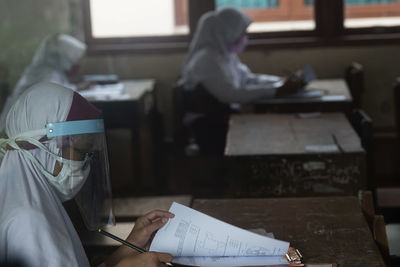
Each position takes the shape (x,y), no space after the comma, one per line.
(196,239)
(104,92)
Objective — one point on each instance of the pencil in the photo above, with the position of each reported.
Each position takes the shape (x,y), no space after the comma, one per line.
(126,243)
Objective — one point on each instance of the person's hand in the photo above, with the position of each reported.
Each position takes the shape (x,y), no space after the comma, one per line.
(292,84)
(141,235)
(146,226)
(147,259)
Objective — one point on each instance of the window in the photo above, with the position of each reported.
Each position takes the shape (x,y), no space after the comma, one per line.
(165,25)
(133,25)
(274,15)
(127,18)
(371,13)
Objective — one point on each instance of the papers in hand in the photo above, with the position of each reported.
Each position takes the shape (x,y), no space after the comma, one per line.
(196,239)
(308,73)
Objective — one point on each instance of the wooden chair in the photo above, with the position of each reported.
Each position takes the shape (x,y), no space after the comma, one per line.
(181,136)
(212,123)
(362,124)
(192,170)
(354,76)
(396,96)
(380,237)
(375,222)
(367,207)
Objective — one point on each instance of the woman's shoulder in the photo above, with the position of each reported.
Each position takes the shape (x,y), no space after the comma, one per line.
(26,215)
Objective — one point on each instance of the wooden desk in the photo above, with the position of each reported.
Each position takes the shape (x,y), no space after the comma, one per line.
(325,229)
(129,110)
(336,98)
(284,155)
(124,110)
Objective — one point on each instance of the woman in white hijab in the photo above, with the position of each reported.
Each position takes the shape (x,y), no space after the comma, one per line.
(54,61)
(214,78)
(213,61)
(34,226)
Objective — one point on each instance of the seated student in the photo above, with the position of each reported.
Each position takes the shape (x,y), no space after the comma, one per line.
(213,65)
(56,60)
(213,62)
(56,151)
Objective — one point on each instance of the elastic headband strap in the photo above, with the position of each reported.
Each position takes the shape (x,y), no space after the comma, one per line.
(74,127)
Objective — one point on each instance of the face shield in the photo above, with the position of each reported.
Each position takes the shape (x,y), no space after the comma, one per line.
(82,169)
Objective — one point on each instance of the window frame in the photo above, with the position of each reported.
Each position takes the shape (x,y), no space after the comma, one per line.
(329,31)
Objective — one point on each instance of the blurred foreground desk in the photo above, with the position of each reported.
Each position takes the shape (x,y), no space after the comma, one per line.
(324,229)
(285,155)
(126,105)
(336,97)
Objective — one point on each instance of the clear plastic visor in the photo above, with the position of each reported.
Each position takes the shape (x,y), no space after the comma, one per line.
(83,162)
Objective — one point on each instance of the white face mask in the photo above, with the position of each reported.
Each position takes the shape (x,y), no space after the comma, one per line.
(73,174)
(71,178)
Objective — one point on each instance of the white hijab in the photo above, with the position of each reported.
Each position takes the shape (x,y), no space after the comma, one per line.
(55,56)
(210,63)
(215,31)
(34,227)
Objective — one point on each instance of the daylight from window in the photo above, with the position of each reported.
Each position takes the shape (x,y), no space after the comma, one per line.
(371,13)
(134,18)
(275,15)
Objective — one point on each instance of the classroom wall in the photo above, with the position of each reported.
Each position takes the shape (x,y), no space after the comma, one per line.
(24,23)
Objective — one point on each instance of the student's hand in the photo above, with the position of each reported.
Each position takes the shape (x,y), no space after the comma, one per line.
(147,259)
(292,84)
(146,226)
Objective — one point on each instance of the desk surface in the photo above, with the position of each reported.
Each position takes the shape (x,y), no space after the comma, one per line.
(325,230)
(287,134)
(334,90)
(126,90)
(137,88)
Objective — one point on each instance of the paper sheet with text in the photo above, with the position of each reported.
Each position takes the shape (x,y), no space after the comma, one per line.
(196,239)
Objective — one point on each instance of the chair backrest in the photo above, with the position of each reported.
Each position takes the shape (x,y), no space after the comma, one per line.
(179,130)
(380,237)
(362,124)
(376,223)
(189,138)
(396,96)
(354,76)
(197,100)
(367,207)
(201,101)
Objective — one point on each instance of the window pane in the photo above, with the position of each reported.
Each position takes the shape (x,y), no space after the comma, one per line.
(275,15)
(134,18)
(371,13)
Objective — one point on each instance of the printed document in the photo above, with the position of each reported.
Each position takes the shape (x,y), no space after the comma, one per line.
(196,239)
